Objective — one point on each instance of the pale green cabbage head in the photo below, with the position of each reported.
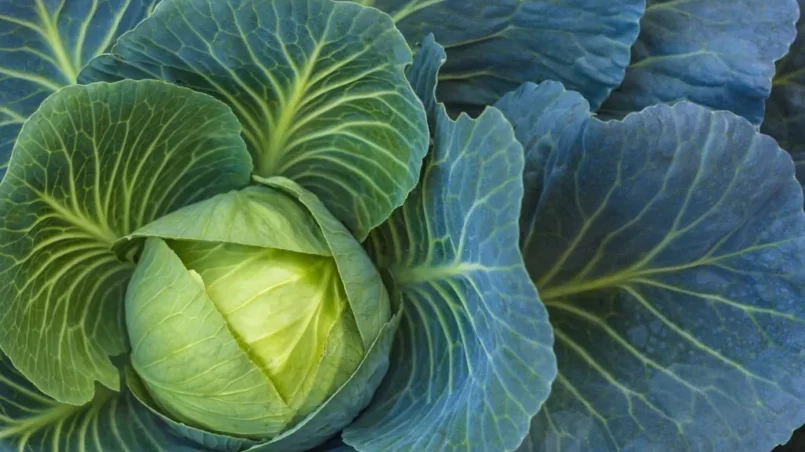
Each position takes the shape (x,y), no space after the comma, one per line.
(245,316)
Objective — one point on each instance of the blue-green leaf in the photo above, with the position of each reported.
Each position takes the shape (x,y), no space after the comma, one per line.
(545,117)
(785,109)
(318,85)
(472,359)
(494,46)
(669,250)
(93,164)
(423,75)
(33,422)
(43,46)
(717,53)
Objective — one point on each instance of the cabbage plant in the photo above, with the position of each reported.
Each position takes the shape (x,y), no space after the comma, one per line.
(397,225)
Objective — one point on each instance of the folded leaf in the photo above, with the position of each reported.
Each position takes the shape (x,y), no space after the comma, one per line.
(92,165)
(472,359)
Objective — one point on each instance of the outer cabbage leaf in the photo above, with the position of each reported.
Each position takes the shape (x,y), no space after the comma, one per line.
(785,109)
(33,422)
(473,358)
(717,53)
(545,117)
(493,47)
(93,164)
(319,87)
(43,46)
(669,250)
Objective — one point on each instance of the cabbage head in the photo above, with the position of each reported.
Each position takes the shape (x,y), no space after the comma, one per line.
(246,329)
(400,225)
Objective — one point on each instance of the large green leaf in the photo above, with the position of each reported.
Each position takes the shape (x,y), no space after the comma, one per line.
(33,422)
(669,250)
(545,117)
(318,86)
(43,46)
(472,359)
(494,46)
(718,53)
(93,164)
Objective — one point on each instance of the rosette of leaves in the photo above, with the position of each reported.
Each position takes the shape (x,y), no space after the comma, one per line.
(272,137)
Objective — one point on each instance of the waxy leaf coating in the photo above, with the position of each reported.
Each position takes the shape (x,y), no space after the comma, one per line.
(31,421)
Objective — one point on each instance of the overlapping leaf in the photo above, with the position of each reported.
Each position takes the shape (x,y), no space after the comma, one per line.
(91,165)
(33,422)
(669,251)
(717,53)
(43,46)
(318,86)
(472,359)
(545,117)
(493,47)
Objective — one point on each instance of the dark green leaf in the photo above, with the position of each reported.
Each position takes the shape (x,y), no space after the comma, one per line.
(545,117)
(93,164)
(717,53)
(33,422)
(43,46)
(669,249)
(319,87)
(472,359)
(494,46)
